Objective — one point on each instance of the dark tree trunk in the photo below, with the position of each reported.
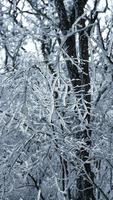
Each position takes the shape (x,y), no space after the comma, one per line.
(81,85)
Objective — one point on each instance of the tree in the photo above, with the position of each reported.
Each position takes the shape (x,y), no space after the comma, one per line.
(81,82)
(56,116)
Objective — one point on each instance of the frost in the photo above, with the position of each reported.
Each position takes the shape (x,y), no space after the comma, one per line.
(56,120)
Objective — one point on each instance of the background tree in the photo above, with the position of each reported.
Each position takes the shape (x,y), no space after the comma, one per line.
(55,100)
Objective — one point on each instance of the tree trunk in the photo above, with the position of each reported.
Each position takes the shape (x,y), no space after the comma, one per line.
(81,85)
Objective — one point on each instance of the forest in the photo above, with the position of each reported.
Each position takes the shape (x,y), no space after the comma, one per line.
(56,100)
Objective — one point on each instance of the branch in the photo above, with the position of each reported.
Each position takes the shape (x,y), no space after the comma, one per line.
(36,185)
